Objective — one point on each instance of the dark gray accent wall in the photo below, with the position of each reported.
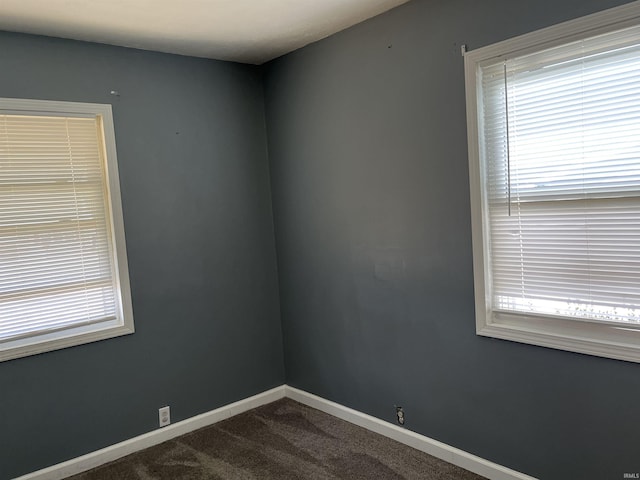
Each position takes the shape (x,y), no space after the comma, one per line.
(368,154)
(192,155)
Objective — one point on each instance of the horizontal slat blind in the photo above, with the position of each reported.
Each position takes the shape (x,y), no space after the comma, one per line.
(56,267)
(562,152)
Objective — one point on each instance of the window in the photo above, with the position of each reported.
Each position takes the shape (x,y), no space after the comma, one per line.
(554,155)
(63,269)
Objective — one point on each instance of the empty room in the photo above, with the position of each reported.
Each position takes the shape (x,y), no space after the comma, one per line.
(344,239)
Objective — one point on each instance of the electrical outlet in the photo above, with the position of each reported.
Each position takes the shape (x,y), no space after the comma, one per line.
(164,415)
(400,415)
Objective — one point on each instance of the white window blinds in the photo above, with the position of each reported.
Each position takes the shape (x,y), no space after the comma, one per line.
(56,253)
(561,147)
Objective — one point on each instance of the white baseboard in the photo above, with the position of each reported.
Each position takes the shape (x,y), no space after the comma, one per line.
(109,454)
(438,449)
(428,445)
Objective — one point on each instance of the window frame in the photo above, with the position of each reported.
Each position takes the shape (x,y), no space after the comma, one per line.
(123,324)
(582,336)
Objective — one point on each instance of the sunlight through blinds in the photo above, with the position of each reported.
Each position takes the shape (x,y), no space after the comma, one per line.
(56,268)
(562,152)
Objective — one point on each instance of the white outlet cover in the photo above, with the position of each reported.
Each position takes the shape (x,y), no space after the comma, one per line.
(164,416)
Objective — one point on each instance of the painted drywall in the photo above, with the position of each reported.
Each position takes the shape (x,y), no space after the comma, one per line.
(368,154)
(194,177)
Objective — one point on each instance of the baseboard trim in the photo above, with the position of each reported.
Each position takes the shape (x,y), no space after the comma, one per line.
(428,445)
(119,450)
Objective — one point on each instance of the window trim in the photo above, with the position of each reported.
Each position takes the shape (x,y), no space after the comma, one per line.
(594,338)
(123,325)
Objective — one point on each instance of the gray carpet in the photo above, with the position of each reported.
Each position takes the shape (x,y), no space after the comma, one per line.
(283,440)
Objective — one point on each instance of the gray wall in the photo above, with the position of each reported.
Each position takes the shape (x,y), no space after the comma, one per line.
(367,145)
(192,154)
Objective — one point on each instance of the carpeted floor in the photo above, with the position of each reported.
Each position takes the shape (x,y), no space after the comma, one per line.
(283,440)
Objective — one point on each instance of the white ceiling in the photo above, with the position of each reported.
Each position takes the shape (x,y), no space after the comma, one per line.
(248,31)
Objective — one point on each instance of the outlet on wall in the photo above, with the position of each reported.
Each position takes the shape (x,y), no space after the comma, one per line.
(400,415)
(164,415)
